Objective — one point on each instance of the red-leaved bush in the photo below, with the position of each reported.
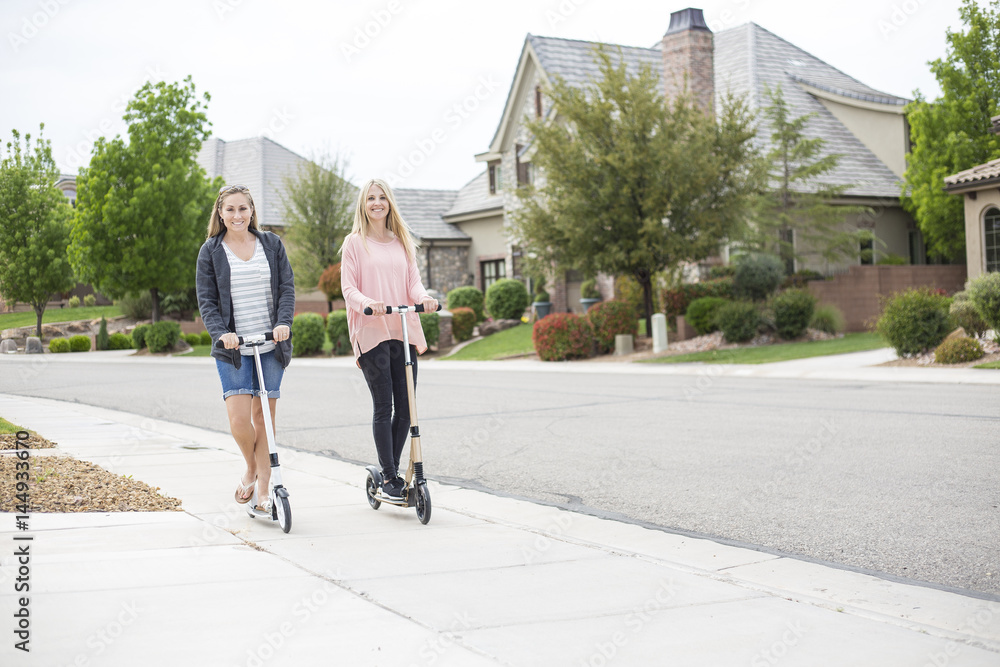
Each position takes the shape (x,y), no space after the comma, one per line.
(562,336)
(677,299)
(610,318)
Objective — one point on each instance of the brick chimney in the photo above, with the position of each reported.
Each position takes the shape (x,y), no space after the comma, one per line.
(688,58)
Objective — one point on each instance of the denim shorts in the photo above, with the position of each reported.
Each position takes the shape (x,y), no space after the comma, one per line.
(243,380)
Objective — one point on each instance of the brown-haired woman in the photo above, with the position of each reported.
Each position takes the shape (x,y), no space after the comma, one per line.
(245,286)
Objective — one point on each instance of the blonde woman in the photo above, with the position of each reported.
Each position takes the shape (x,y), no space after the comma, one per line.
(379,269)
(245,286)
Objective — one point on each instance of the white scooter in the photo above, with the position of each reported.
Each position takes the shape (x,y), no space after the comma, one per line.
(281,510)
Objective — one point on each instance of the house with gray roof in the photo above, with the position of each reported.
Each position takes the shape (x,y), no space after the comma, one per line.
(865,127)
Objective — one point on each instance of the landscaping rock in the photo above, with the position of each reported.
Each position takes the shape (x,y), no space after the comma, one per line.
(487,328)
(33,345)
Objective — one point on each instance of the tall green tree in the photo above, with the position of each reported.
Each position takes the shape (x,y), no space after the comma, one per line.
(319,207)
(143,205)
(631,184)
(797,201)
(34,226)
(951,133)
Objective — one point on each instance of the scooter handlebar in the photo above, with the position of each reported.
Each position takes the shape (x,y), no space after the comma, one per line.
(255,339)
(418,308)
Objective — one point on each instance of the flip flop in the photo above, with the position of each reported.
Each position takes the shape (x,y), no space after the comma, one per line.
(242,490)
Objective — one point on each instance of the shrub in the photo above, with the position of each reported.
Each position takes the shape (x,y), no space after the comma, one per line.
(588,289)
(701,313)
(139,336)
(59,345)
(137,307)
(628,289)
(563,336)
(801,277)
(793,310)
(308,332)
(119,341)
(506,299)
(329,283)
(726,271)
(90,300)
(984,293)
(192,339)
(206,338)
(676,300)
(914,321)
(180,304)
(958,350)
(79,343)
(467,297)
(610,318)
(965,315)
(828,318)
(738,321)
(163,335)
(891,259)
(757,276)
(338,332)
(462,321)
(540,296)
(431,324)
(101,342)
(74,301)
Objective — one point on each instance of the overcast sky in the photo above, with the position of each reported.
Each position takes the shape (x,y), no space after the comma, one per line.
(386,84)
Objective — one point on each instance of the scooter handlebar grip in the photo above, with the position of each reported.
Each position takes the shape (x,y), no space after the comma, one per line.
(268,335)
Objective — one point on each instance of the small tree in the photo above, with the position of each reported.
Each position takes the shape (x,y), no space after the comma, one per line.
(329,284)
(951,134)
(632,184)
(34,226)
(319,208)
(797,201)
(143,206)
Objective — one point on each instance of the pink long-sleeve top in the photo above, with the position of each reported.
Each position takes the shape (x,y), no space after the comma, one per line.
(382,273)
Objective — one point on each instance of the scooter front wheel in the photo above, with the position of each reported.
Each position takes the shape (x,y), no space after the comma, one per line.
(284,511)
(370,489)
(423,503)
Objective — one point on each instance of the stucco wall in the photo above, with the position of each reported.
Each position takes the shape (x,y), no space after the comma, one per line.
(975,209)
(884,133)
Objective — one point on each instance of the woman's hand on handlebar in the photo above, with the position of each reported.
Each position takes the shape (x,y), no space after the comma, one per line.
(378,308)
(281,332)
(430,305)
(230,340)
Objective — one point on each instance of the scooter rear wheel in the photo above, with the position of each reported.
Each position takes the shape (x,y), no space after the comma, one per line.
(284,510)
(423,503)
(370,489)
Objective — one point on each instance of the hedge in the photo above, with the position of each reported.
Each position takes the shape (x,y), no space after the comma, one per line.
(914,321)
(677,299)
(462,322)
(309,334)
(506,299)
(467,297)
(608,319)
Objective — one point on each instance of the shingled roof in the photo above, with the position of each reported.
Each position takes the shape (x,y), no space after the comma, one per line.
(475,197)
(422,211)
(749,60)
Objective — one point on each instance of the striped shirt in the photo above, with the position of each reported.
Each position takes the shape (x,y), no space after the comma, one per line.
(250,282)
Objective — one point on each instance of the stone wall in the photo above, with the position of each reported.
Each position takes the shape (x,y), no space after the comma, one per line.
(448,267)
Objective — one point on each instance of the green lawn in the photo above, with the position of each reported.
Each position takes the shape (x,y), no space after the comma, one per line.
(766,354)
(992,364)
(53,315)
(511,342)
(7,427)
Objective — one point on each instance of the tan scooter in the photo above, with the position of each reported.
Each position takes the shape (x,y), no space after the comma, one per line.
(416,493)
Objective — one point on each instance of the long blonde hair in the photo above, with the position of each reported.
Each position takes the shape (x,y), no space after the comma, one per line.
(215,224)
(393,221)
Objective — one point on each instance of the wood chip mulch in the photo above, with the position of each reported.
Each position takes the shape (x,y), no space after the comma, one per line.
(35,441)
(65,484)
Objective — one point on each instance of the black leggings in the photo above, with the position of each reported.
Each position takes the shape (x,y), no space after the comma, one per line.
(384,369)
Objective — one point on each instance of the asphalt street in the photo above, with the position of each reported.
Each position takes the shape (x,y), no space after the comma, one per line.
(899,479)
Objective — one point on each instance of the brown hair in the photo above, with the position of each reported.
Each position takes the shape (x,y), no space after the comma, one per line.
(215,224)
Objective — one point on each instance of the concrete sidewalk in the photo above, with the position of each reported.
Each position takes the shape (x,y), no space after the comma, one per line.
(490,580)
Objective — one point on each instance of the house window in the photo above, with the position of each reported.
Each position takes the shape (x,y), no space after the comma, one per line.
(538,101)
(523,173)
(491,272)
(991,239)
(496,179)
(866,250)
